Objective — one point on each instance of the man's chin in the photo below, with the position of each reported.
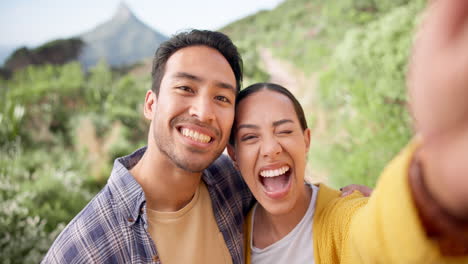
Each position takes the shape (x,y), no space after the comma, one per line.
(192,160)
(193,167)
(197,161)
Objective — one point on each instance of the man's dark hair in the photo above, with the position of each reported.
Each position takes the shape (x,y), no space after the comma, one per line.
(194,37)
(257,87)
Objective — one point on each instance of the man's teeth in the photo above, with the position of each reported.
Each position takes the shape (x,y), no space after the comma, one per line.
(274,173)
(195,135)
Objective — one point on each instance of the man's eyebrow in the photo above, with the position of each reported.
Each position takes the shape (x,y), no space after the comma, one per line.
(185,75)
(282,121)
(226,86)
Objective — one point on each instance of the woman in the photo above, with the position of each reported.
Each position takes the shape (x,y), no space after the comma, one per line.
(294,222)
(271,141)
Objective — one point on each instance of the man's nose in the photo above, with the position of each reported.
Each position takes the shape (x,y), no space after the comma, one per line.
(202,108)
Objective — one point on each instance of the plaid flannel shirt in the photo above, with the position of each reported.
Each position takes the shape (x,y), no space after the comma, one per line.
(113,227)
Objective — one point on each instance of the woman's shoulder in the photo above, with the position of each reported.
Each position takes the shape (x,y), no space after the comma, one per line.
(332,207)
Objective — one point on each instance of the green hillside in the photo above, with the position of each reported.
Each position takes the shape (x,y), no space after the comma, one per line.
(60,130)
(358,50)
(304,31)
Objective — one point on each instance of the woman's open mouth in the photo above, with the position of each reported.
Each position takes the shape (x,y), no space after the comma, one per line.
(276,182)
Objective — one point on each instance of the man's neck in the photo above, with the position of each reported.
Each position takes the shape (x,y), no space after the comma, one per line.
(167,188)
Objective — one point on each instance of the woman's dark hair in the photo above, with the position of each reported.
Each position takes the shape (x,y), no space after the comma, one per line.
(257,87)
(194,37)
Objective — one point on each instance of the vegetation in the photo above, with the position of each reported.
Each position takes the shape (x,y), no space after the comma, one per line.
(60,129)
(359,50)
(363,89)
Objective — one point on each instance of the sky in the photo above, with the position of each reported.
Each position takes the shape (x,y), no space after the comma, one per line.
(34,22)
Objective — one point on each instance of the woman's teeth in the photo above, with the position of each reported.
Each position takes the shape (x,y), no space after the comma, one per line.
(199,137)
(274,173)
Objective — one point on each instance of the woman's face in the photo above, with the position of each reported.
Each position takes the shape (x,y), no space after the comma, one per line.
(270,150)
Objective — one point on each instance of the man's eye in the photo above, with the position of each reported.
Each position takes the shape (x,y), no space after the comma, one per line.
(223,99)
(185,88)
(285,132)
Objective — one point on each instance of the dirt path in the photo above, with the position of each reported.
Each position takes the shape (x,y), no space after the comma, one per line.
(285,74)
(303,87)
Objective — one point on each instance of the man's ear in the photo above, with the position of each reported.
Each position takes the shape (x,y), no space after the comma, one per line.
(232,154)
(307,139)
(150,105)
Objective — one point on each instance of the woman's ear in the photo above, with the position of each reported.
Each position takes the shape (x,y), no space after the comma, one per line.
(232,154)
(150,104)
(307,139)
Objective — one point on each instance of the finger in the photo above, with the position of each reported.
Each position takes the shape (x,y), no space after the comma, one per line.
(366,191)
(349,188)
(346,193)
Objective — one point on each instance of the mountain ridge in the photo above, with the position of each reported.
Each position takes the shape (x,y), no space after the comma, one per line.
(122,40)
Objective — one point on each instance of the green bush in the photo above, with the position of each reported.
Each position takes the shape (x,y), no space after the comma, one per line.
(364,93)
(40,191)
(39,100)
(45,178)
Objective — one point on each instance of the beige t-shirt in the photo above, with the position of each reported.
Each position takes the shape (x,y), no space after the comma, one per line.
(189,235)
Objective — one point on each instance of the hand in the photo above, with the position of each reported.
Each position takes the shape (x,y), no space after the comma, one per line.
(347,190)
(438,87)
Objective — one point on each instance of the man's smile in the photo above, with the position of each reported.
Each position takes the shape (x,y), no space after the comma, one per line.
(194,135)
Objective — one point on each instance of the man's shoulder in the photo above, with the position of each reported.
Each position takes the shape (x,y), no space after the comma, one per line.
(223,174)
(223,165)
(223,177)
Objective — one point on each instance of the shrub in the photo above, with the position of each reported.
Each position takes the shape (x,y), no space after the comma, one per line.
(364,93)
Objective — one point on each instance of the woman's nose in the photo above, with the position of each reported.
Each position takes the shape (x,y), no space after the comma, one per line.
(271,147)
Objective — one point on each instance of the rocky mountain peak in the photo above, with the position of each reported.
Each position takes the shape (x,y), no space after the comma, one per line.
(122,40)
(123,12)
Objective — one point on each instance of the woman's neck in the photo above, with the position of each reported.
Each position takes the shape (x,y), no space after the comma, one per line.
(269,228)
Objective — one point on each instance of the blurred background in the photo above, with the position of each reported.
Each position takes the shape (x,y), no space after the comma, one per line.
(74,76)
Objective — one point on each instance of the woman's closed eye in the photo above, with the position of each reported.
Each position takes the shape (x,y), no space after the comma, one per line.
(248,137)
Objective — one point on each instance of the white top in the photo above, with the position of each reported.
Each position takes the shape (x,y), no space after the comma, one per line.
(295,247)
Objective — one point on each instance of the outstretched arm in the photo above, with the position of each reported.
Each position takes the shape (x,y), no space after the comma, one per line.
(438,86)
(424,218)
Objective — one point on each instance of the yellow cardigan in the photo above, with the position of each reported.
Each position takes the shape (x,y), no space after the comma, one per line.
(384,228)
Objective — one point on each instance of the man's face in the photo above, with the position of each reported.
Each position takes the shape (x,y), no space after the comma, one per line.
(194,111)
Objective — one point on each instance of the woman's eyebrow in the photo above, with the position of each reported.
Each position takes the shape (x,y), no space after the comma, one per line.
(247,126)
(282,121)
(275,124)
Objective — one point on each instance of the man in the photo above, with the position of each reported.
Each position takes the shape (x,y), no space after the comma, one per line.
(166,192)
